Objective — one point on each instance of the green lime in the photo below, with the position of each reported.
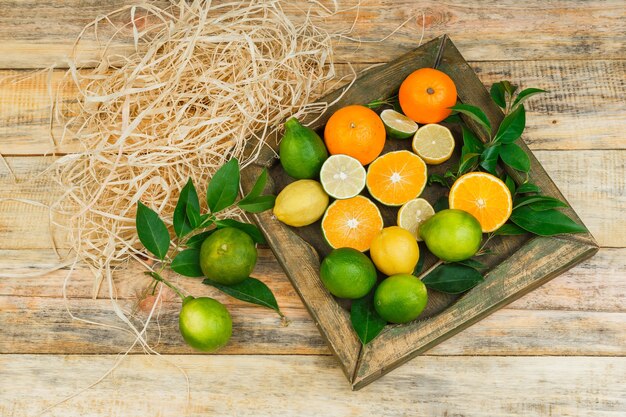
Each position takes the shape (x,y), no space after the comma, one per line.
(400,298)
(348,273)
(452,235)
(302,152)
(204,323)
(397,125)
(228,256)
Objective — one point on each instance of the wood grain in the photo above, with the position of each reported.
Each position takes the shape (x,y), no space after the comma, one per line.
(37,34)
(312,386)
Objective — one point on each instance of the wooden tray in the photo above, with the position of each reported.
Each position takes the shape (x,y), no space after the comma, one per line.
(518,264)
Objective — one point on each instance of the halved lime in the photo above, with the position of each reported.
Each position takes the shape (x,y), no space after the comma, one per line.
(397,125)
(413,213)
(433,143)
(342,176)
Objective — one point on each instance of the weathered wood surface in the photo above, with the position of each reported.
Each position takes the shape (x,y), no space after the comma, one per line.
(311,386)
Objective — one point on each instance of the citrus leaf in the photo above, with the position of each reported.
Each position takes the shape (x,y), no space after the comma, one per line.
(509,229)
(152,231)
(528,187)
(509,88)
(545,223)
(187,263)
(471,144)
(512,126)
(538,202)
(468,162)
(475,114)
(195,241)
(454,118)
(250,290)
(224,186)
(365,320)
(193,216)
(250,229)
(497,94)
(526,94)
(510,184)
(515,157)
(473,263)
(188,198)
(258,187)
(258,204)
(437,179)
(452,278)
(489,158)
(441,204)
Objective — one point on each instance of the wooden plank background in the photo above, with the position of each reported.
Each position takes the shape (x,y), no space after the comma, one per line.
(557,351)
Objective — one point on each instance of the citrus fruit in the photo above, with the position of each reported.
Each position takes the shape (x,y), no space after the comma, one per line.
(355,131)
(352,223)
(396,177)
(301,203)
(452,235)
(302,151)
(228,256)
(433,143)
(400,298)
(204,323)
(483,195)
(347,273)
(395,251)
(412,214)
(426,95)
(342,176)
(397,125)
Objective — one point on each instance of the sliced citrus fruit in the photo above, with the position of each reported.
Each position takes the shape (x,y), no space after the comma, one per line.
(413,213)
(397,125)
(396,177)
(433,143)
(342,176)
(352,223)
(484,196)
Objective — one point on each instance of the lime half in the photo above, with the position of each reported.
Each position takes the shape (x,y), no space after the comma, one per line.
(397,125)
(342,176)
(413,213)
(433,143)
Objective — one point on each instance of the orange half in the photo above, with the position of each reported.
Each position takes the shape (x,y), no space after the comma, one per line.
(484,196)
(396,177)
(352,223)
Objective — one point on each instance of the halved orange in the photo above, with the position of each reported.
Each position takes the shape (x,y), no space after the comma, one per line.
(396,177)
(484,196)
(352,223)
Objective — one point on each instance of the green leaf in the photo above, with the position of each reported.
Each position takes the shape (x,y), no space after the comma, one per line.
(454,118)
(441,204)
(195,241)
(193,216)
(449,174)
(468,162)
(510,184)
(509,229)
(489,158)
(526,94)
(224,186)
(258,187)
(452,278)
(509,88)
(512,126)
(545,223)
(538,202)
(250,229)
(475,114)
(258,204)
(365,320)
(473,263)
(497,94)
(471,144)
(188,198)
(250,290)
(437,179)
(152,231)
(528,187)
(515,157)
(187,263)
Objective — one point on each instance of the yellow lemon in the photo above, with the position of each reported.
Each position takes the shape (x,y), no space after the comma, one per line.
(394,251)
(301,203)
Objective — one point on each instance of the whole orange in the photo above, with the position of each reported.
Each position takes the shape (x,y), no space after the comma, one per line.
(355,131)
(426,94)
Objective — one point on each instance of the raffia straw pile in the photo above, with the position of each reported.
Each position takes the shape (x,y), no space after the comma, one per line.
(203,78)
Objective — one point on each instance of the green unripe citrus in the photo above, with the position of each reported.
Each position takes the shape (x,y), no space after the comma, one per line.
(205,323)
(348,273)
(400,298)
(228,256)
(452,235)
(302,152)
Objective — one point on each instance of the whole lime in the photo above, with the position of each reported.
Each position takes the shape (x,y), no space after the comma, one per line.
(452,235)
(228,256)
(400,298)
(302,152)
(205,323)
(348,273)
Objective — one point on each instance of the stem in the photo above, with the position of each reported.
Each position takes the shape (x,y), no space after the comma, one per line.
(159,278)
(429,270)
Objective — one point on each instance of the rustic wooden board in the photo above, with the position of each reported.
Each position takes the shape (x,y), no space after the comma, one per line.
(511,275)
